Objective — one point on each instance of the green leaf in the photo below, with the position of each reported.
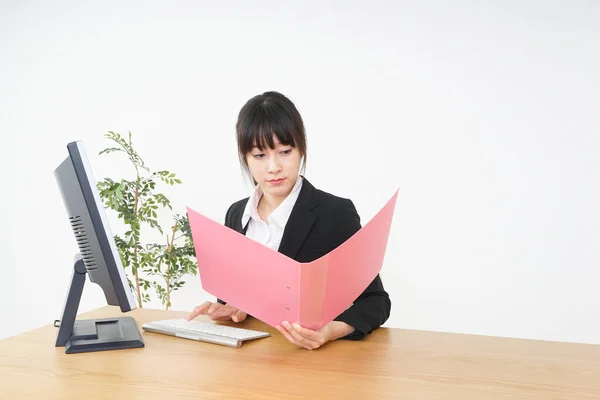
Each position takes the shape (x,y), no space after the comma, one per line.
(109,150)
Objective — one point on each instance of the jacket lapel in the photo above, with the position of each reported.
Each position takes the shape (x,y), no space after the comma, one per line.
(300,222)
(236,219)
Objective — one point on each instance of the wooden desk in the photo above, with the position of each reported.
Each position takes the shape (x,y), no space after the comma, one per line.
(391,363)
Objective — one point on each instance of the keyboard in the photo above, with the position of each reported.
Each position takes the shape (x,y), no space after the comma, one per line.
(204,331)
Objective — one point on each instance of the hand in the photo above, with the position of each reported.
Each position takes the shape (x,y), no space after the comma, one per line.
(218,312)
(310,339)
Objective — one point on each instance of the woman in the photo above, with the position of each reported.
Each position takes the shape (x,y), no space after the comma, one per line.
(288,214)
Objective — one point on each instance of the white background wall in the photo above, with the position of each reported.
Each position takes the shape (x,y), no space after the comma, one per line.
(485,115)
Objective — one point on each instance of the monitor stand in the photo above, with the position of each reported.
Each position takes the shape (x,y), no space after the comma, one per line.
(82,336)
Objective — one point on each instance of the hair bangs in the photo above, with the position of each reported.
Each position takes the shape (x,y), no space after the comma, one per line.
(260,128)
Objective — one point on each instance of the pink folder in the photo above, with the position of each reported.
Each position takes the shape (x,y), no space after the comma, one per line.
(273,287)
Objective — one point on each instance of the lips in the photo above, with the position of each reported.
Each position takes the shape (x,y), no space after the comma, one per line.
(275,181)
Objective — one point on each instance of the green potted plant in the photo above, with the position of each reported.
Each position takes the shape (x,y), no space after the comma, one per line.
(161,266)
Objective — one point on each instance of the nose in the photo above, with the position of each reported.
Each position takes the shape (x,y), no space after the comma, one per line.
(274,165)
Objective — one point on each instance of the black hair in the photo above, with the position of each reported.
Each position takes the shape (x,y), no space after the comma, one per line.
(263,116)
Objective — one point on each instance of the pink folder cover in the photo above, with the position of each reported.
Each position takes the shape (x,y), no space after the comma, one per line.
(273,287)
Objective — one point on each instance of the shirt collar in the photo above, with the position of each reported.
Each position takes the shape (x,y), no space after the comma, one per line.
(281,214)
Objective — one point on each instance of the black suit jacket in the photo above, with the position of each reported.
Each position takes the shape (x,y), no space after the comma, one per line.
(318,223)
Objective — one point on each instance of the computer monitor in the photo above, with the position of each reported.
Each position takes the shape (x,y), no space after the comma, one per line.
(98,259)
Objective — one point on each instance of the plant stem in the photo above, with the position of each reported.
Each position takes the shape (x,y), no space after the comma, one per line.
(135,211)
(168,278)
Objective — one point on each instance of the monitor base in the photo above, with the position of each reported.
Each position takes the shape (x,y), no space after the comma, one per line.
(104,334)
(86,335)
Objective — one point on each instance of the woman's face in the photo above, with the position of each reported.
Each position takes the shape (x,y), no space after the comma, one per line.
(275,170)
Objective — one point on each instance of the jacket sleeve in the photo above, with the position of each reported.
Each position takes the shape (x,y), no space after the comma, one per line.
(372,307)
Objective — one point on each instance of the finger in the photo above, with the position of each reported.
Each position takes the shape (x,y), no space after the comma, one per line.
(287,335)
(221,318)
(221,312)
(298,337)
(304,341)
(201,309)
(239,316)
(213,307)
(314,336)
(217,311)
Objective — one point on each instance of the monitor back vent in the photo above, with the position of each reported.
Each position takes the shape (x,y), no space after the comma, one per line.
(84,244)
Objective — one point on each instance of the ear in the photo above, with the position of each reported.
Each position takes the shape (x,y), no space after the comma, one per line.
(302,165)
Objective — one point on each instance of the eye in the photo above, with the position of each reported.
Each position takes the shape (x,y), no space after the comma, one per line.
(258,156)
(286,152)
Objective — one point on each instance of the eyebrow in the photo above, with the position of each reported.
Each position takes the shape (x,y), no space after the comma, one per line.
(276,142)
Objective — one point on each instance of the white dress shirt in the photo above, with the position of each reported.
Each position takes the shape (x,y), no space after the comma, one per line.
(269,233)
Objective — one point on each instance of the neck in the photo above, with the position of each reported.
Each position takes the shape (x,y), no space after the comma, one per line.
(269,203)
